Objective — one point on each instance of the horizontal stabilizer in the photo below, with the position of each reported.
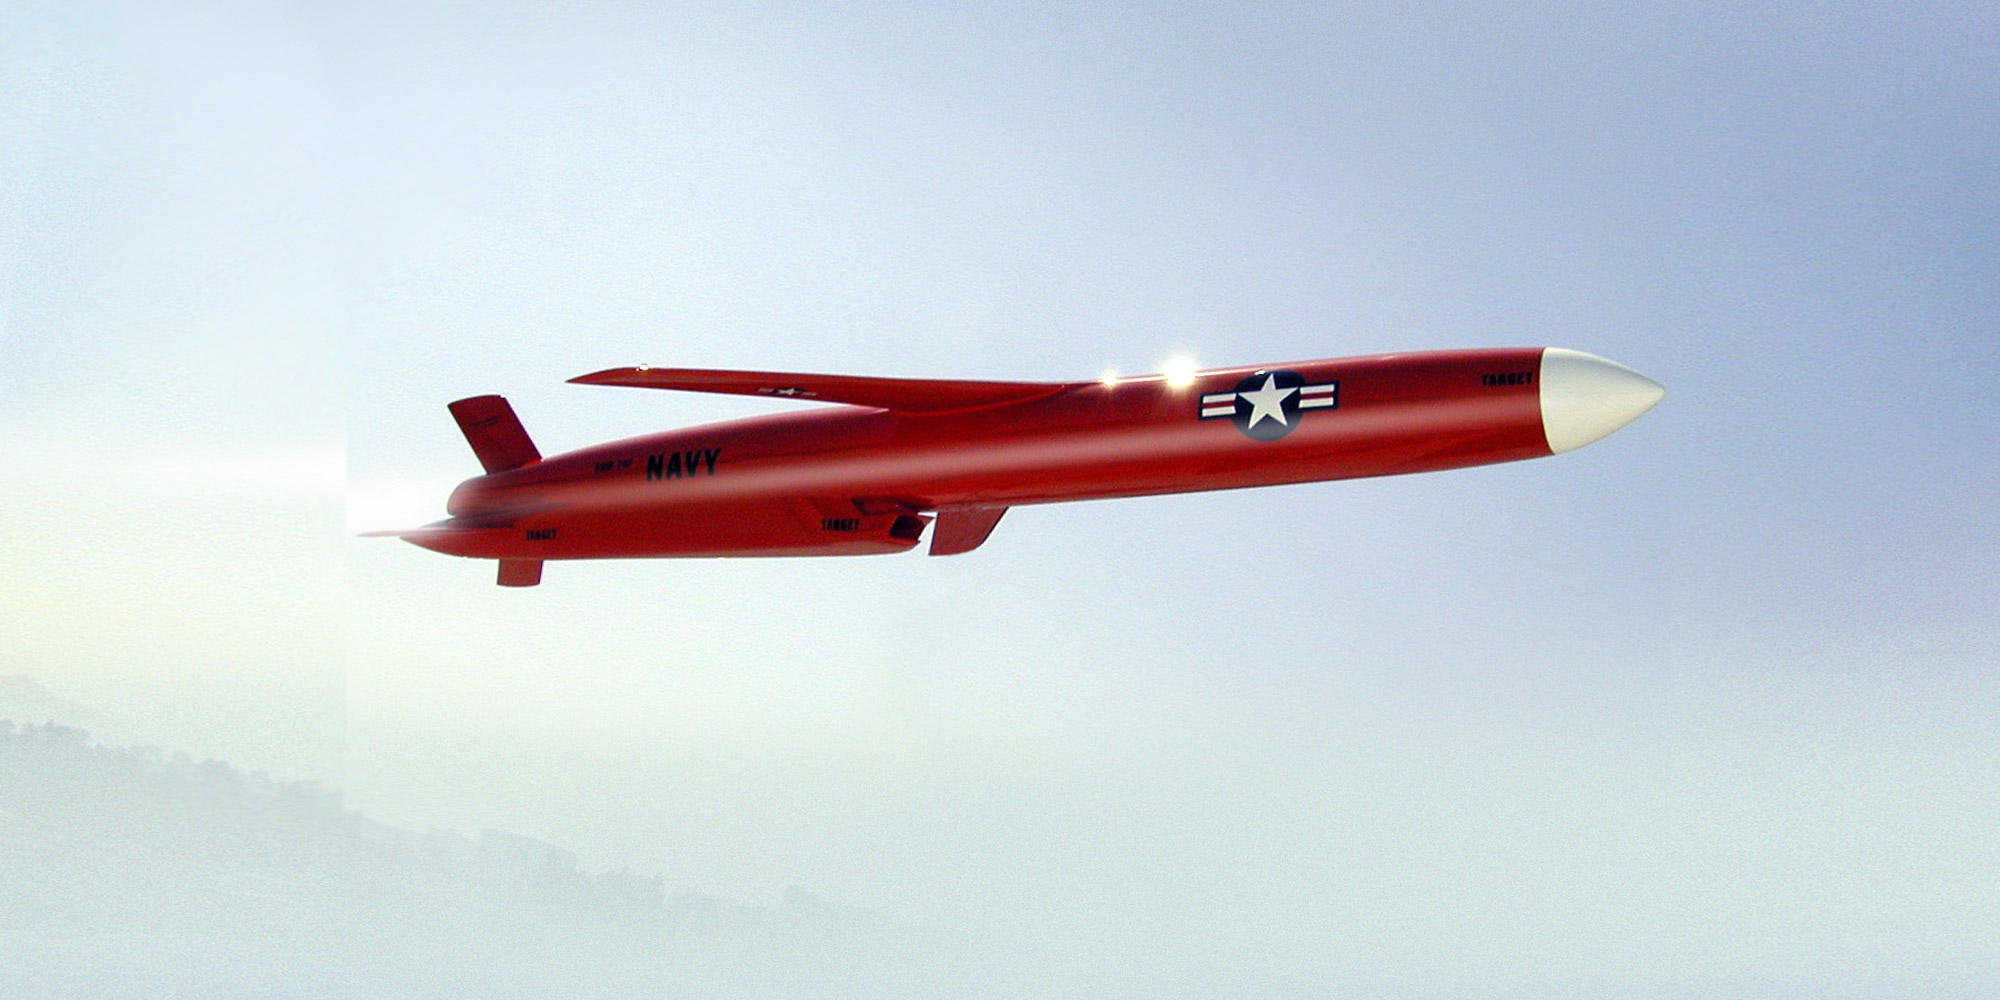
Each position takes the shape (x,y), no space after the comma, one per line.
(904,395)
(962,529)
(494,433)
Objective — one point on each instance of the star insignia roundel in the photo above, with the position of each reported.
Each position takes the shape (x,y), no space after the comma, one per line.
(1267,405)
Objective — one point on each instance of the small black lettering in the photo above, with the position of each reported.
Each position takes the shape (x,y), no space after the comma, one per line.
(709,456)
(1507,378)
(840,524)
(541,534)
(656,467)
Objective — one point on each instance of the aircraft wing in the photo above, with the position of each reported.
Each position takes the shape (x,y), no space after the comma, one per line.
(904,395)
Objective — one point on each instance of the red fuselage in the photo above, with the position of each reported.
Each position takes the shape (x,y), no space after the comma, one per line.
(852,479)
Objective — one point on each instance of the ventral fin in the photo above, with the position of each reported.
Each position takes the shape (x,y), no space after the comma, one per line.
(962,529)
(520,572)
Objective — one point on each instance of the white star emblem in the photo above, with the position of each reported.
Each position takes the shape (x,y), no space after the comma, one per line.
(1267,402)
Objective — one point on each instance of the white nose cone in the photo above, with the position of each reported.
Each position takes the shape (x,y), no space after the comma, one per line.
(1585,397)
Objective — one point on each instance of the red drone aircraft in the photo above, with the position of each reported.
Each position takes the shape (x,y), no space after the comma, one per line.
(871,475)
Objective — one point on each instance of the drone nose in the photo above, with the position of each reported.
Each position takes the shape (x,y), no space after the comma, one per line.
(1585,397)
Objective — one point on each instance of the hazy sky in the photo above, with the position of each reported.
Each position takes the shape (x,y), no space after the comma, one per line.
(1706,707)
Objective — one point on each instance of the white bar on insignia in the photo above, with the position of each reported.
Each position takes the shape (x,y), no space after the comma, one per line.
(1317,390)
(1215,398)
(1219,411)
(1316,404)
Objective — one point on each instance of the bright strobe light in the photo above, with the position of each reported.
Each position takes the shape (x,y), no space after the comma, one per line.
(1180,372)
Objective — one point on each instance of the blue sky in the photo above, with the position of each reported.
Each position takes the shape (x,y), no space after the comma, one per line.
(1707,704)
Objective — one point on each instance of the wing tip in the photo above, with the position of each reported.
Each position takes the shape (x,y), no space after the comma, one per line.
(608,376)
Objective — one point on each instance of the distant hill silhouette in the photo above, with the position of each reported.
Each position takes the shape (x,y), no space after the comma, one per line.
(125,871)
(25,700)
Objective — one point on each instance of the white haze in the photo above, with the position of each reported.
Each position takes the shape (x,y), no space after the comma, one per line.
(1705,708)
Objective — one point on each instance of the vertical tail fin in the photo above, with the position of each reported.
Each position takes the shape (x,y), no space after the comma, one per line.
(494,433)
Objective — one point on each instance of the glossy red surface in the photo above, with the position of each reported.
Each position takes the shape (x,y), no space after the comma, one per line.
(847,479)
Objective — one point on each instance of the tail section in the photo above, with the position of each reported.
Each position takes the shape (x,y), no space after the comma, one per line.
(495,433)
